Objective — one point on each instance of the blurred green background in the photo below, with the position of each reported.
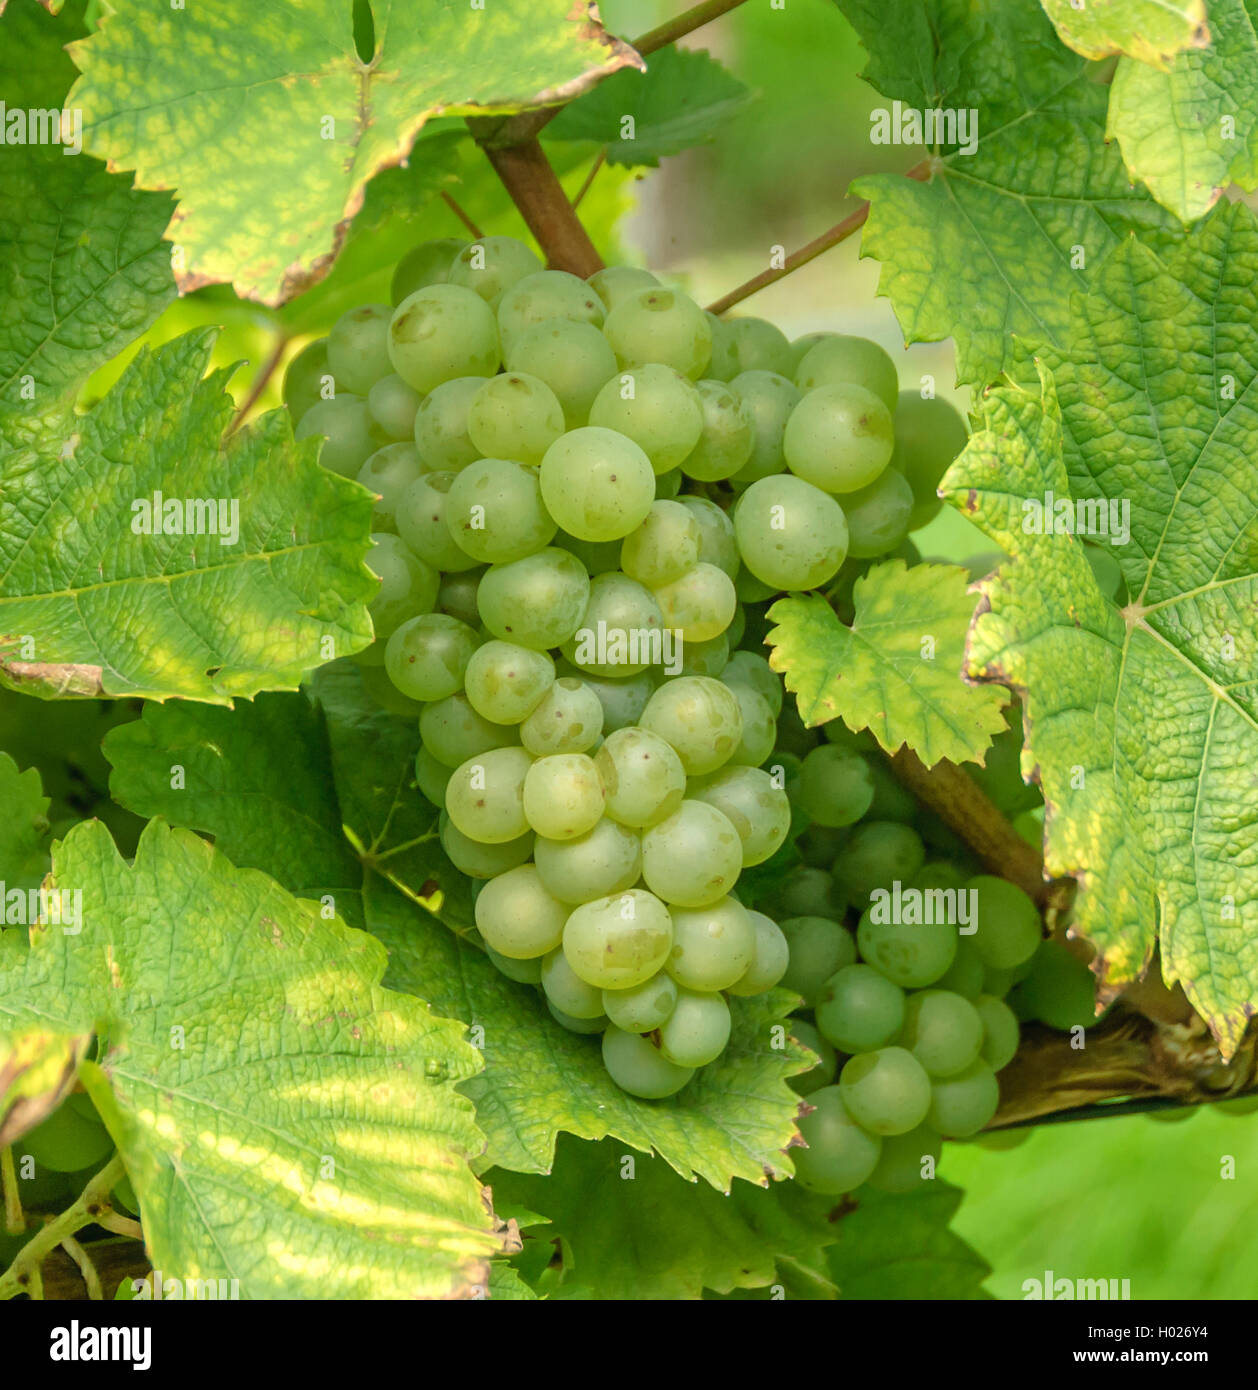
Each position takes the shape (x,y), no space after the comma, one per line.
(1133,1197)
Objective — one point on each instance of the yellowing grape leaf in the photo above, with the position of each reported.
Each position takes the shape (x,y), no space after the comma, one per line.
(897,669)
(286,1122)
(1142,723)
(83,267)
(255,577)
(1150,31)
(1024,196)
(269,124)
(1190,131)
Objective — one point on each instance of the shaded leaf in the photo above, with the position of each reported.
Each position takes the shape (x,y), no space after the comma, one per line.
(106,608)
(682,99)
(23,829)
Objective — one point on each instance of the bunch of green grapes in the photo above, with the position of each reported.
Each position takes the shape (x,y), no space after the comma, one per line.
(584,489)
(916,968)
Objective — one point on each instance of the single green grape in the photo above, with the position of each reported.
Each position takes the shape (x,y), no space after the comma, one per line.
(913,954)
(421,522)
(389,472)
(563,795)
(643,777)
(645,1006)
(878,855)
(839,360)
(620,941)
(706,658)
(753,670)
(457,595)
(408,586)
(878,515)
(809,892)
(839,438)
(358,348)
(886,1091)
(1008,922)
(660,325)
(929,434)
(523,972)
(623,698)
(697,1030)
(453,731)
(759,727)
(727,438)
(495,511)
(713,946)
(485,796)
(505,683)
(441,425)
(566,990)
(835,786)
(962,1104)
(537,602)
(1000,1031)
(597,484)
(638,1067)
(699,717)
(442,332)
(432,777)
(391,408)
(717,542)
(426,657)
(614,282)
(767,400)
(515,416)
(543,297)
(621,630)
(479,860)
(345,426)
(305,378)
(908,1161)
(664,547)
(68,1141)
(569,719)
(1059,990)
(790,534)
(699,604)
(516,915)
(759,346)
(692,857)
(859,1010)
(942,1030)
(841,1153)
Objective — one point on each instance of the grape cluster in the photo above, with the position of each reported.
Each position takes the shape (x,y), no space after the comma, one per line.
(587,490)
(912,1010)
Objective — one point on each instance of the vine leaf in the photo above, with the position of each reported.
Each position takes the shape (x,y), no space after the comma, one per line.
(684,1238)
(1142,723)
(902,1247)
(83,267)
(1150,31)
(254,775)
(93,604)
(990,249)
(314,794)
(1190,131)
(270,125)
(682,99)
(896,670)
(732,1121)
(23,828)
(256,1077)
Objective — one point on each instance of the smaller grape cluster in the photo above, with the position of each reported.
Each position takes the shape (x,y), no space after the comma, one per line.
(915,967)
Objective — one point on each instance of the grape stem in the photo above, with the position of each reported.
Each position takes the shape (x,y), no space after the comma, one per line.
(14,1220)
(589,178)
(24,1274)
(853,222)
(274,358)
(91,1278)
(961,803)
(535,189)
(454,207)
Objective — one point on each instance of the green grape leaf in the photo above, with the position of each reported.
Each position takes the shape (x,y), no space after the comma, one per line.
(733,1120)
(896,670)
(682,99)
(23,829)
(313,794)
(1011,222)
(632,1228)
(257,1077)
(1150,31)
(1141,722)
(901,1247)
(83,267)
(1190,131)
(270,125)
(93,603)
